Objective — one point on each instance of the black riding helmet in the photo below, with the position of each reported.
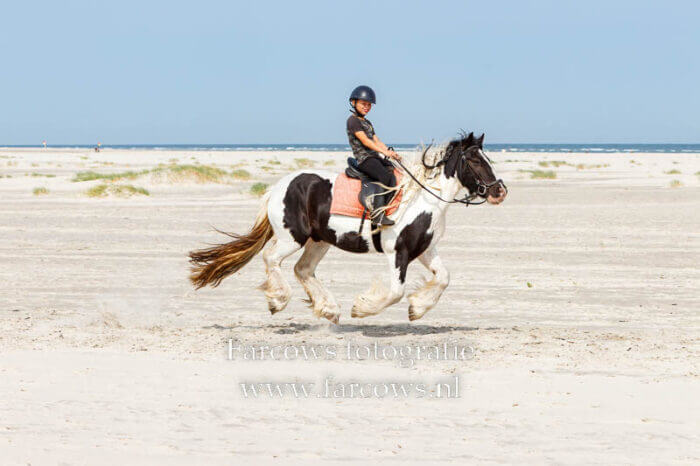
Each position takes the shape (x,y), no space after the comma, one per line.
(363,93)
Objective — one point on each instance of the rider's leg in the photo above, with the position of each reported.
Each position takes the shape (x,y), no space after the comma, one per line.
(377,170)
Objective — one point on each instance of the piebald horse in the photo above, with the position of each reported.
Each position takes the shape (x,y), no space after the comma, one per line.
(295,214)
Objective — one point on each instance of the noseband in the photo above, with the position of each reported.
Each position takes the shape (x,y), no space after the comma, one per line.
(481,187)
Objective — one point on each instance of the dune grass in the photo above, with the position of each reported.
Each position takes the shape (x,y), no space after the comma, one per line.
(40,191)
(174,173)
(673,172)
(241,174)
(304,162)
(274,162)
(44,175)
(540,174)
(119,190)
(675,184)
(554,163)
(258,189)
(91,175)
(197,173)
(583,166)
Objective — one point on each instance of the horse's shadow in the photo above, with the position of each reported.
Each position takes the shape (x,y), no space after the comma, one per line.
(367,330)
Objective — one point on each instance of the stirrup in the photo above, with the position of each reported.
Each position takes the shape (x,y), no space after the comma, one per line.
(383,220)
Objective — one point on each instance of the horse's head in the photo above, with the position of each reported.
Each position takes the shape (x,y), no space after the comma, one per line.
(465,158)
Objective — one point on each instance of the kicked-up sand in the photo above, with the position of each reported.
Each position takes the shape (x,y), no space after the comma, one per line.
(574,307)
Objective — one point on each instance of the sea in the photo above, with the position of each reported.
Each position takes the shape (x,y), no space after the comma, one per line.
(586,148)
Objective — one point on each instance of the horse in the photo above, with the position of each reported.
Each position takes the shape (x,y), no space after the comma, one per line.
(295,214)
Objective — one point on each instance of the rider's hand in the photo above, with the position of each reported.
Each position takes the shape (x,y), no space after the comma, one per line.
(393,155)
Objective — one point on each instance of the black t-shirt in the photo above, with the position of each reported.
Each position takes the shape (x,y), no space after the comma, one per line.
(359,150)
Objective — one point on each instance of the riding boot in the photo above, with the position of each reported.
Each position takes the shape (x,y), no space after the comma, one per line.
(381,217)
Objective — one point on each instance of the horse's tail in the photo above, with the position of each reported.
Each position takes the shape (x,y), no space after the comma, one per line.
(213,264)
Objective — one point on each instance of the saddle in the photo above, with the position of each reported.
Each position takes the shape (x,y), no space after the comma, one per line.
(351,190)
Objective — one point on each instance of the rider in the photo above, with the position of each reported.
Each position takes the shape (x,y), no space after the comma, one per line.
(366,147)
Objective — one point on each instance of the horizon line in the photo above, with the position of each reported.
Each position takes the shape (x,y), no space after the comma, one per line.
(93,144)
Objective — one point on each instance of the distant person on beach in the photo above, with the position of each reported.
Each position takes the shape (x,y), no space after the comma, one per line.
(367,147)
(98,146)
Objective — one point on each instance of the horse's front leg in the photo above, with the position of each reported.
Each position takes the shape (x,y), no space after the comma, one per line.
(377,298)
(427,296)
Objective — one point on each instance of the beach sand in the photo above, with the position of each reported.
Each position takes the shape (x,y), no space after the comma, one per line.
(580,296)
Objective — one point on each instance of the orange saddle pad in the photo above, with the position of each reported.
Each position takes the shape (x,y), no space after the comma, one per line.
(345,196)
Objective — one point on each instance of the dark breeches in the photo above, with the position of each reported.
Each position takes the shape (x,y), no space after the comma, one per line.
(379,170)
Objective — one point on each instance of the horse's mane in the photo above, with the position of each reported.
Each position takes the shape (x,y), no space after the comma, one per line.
(423,172)
(426,164)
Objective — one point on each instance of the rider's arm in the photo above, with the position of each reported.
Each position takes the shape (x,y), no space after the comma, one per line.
(375,144)
(378,142)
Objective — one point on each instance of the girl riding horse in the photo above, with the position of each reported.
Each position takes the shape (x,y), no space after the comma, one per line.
(367,147)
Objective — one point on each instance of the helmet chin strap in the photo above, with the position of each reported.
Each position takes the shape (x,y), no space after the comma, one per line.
(354,110)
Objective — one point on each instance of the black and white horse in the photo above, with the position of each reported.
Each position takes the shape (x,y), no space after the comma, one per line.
(295,214)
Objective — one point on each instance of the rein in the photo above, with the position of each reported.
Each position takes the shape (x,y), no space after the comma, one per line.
(468,199)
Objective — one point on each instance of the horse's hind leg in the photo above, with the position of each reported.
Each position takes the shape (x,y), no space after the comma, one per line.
(277,290)
(427,296)
(322,300)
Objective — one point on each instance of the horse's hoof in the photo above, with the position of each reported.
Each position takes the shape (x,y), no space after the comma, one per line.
(330,312)
(276,305)
(355,313)
(413,314)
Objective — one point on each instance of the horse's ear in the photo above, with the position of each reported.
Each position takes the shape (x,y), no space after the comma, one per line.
(480,141)
(469,140)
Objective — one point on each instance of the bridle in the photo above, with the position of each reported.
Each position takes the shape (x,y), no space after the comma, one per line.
(468,199)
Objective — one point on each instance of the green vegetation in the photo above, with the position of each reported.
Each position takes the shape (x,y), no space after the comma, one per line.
(91,175)
(274,162)
(529,285)
(41,174)
(540,174)
(329,162)
(40,191)
(198,173)
(258,189)
(554,163)
(676,184)
(121,190)
(582,166)
(304,163)
(673,172)
(241,174)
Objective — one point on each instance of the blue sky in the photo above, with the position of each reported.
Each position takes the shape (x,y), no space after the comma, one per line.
(280,72)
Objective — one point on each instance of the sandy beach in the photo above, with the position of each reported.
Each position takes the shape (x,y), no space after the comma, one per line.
(579,298)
